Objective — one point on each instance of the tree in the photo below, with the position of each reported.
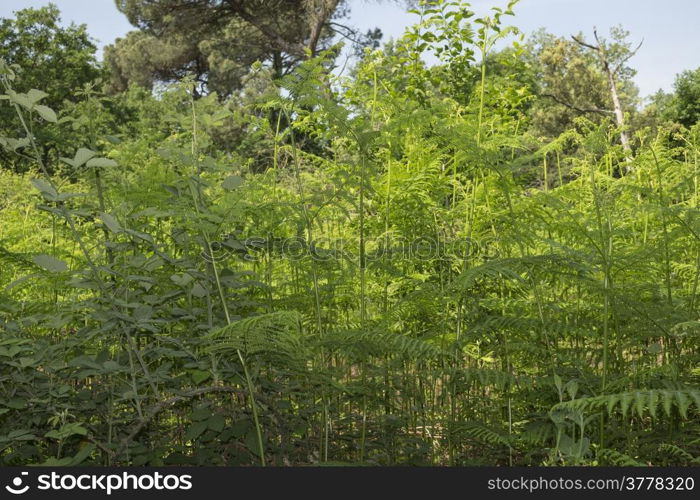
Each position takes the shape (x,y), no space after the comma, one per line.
(216,40)
(680,107)
(567,84)
(685,107)
(571,84)
(612,59)
(46,56)
(55,58)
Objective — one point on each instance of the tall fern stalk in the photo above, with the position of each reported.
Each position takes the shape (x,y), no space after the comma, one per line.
(195,194)
(552,321)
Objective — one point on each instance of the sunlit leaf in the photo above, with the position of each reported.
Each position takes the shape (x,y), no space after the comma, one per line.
(46,113)
(101,163)
(50,263)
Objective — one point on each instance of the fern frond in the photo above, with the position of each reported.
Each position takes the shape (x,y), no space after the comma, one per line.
(618,459)
(678,453)
(482,434)
(644,402)
(276,333)
(380,342)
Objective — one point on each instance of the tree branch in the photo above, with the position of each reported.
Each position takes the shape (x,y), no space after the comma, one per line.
(238,8)
(630,56)
(584,44)
(577,108)
(348,35)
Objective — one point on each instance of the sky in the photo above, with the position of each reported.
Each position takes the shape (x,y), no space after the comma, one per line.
(669,28)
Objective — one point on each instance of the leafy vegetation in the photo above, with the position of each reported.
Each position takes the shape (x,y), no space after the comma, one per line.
(413,264)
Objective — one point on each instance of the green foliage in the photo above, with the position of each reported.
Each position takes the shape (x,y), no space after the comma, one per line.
(687,98)
(217,42)
(570,83)
(680,106)
(383,268)
(59,60)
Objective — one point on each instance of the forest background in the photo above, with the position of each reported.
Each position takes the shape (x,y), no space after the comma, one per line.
(233,240)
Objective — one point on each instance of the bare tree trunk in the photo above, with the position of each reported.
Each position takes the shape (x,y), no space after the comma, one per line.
(610,73)
(617,108)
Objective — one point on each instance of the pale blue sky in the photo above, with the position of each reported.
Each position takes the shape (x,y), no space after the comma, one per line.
(670,28)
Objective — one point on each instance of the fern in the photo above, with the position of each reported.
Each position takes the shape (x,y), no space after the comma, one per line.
(641,402)
(482,434)
(679,454)
(381,342)
(619,459)
(277,334)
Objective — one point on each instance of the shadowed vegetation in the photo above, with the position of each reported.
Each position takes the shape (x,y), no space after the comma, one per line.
(456,263)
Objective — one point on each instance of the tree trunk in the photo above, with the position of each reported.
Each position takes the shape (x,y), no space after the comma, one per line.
(610,73)
(619,115)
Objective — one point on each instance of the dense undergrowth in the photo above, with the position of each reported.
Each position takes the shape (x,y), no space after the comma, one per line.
(399,274)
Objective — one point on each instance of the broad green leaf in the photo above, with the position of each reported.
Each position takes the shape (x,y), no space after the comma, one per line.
(181,279)
(25,362)
(113,139)
(49,263)
(251,441)
(68,196)
(143,312)
(74,429)
(45,187)
(111,222)
(14,144)
(202,413)
(21,435)
(558,382)
(172,190)
(68,161)
(111,366)
(82,156)
(140,235)
(216,423)
(20,99)
(35,95)
(199,291)
(16,403)
(77,459)
(84,452)
(101,163)
(572,388)
(199,376)
(46,113)
(67,430)
(240,428)
(195,430)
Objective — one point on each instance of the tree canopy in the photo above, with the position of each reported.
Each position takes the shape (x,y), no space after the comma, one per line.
(571,82)
(216,40)
(685,104)
(448,255)
(45,54)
